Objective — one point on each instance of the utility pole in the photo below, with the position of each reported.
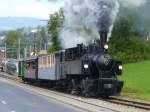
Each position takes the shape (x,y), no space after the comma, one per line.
(45,46)
(25,52)
(5,51)
(19,49)
(34,39)
(40,46)
(34,45)
(30,50)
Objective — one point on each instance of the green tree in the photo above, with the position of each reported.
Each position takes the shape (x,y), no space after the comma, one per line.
(126,43)
(41,38)
(12,39)
(125,25)
(44,37)
(131,49)
(54,25)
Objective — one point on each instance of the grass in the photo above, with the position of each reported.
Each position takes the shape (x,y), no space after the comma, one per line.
(137,80)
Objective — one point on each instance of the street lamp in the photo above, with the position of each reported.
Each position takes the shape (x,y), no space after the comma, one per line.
(34,31)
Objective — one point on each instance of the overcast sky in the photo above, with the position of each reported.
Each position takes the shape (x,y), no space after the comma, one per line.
(29,8)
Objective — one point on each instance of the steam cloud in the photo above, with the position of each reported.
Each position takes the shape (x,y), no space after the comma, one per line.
(140,11)
(132,3)
(84,19)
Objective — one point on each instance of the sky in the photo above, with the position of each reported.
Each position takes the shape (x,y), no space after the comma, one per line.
(29,8)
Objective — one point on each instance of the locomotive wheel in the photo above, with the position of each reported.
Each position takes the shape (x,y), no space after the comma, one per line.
(76,88)
(83,91)
(70,86)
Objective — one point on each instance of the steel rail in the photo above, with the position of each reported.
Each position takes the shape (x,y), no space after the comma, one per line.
(131,103)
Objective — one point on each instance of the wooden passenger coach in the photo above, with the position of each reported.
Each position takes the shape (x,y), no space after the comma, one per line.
(46,67)
(43,67)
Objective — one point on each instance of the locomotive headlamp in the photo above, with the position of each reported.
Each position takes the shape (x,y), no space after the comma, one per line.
(86,66)
(120,67)
(106,46)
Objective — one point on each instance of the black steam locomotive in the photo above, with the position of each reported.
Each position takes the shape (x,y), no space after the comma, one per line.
(85,70)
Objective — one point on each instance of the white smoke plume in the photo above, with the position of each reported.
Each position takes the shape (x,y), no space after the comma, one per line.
(138,9)
(84,19)
(135,3)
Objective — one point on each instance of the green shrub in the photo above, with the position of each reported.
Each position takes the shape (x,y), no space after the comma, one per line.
(53,49)
(131,49)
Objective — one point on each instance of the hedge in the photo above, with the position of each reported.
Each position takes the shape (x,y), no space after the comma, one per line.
(131,49)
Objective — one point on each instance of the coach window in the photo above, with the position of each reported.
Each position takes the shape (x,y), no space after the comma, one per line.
(43,62)
(33,65)
(39,61)
(48,61)
(51,60)
(45,59)
(27,65)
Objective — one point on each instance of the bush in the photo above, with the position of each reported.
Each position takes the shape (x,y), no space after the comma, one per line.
(131,49)
(53,49)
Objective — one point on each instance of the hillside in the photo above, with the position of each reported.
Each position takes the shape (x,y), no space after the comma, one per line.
(9,23)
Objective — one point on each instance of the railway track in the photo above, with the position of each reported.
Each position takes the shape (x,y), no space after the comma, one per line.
(114,100)
(131,103)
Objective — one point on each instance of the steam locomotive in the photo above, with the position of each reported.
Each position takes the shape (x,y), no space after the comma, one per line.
(81,70)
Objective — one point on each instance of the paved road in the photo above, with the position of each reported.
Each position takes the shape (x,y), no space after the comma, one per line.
(14,99)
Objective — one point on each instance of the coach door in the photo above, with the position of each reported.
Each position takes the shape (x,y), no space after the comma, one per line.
(57,66)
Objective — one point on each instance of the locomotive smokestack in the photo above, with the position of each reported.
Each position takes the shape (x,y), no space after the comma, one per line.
(103,38)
